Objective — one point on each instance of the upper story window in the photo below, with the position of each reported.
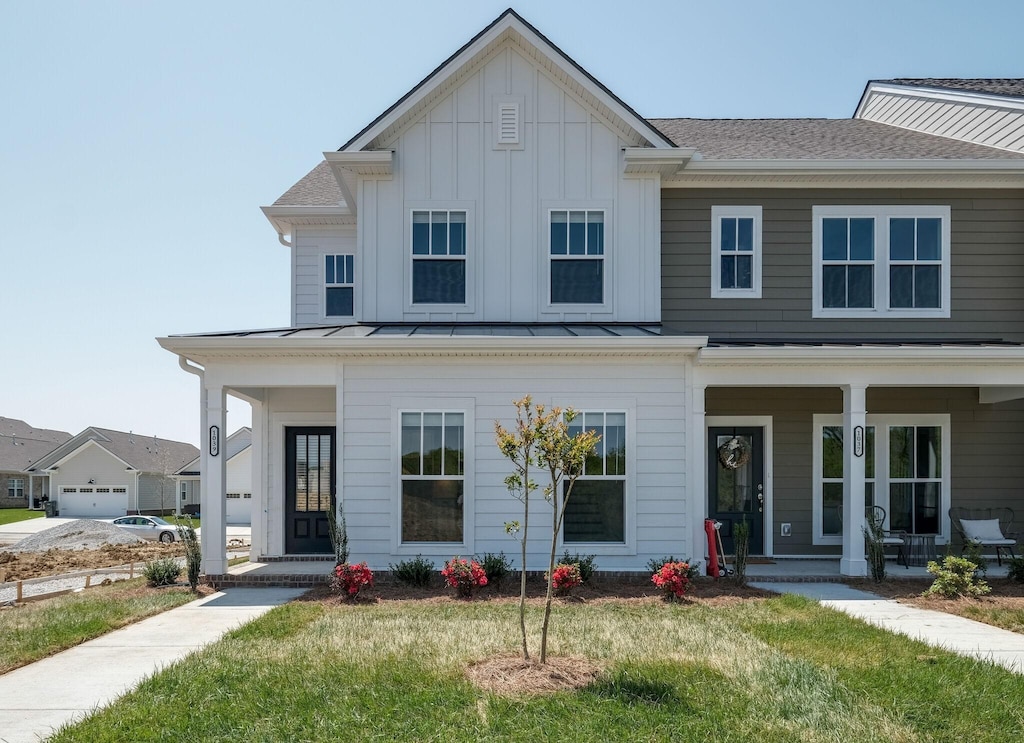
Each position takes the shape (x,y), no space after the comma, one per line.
(736,251)
(577,256)
(339,285)
(438,256)
(881,261)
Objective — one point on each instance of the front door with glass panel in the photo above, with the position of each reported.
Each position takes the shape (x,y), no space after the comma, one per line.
(736,483)
(309,488)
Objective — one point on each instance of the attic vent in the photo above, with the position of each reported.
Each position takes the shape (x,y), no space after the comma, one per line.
(508,123)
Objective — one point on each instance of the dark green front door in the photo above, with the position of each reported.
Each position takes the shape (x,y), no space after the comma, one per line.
(309,489)
(737,493)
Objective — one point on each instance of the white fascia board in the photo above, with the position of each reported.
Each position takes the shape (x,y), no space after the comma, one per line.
(82,447)
(467,56)
(283,218)
(645,160)
(869,355)
(965,97)
(784,167)
(433,345)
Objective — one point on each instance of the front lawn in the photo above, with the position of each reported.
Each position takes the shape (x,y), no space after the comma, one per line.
(13,515)
(36,630)
(779,669)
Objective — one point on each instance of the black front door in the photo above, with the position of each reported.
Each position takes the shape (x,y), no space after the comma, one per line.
(309,489)
(736,483)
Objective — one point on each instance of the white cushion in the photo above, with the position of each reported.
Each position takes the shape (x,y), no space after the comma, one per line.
(983,530)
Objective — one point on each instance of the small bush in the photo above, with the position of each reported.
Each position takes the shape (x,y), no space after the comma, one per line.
(1015,569)
(955,577)
(497,567)
(349,580)
(585,563)
(465,576)
(193,552)
(565,578)
(972,552)
(741,542)
(673,578)
(875,548)
(693,571)
(417,572)
(163,572)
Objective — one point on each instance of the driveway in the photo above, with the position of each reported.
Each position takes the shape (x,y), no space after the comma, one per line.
(11,533)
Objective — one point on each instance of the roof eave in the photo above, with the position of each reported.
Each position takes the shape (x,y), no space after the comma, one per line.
(860,354)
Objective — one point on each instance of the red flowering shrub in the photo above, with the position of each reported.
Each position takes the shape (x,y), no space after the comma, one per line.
(349,579)
(673,579)
(565,578)
(465,576)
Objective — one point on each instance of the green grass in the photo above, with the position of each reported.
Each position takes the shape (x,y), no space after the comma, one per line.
(13,515)
(36,630)
(778,670)
(1007,618)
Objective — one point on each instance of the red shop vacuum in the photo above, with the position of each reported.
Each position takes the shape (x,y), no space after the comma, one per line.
(715,549)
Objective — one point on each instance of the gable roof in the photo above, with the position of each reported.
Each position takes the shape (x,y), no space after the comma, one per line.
(237,442)
(818,139)
(1012,87)
(21,444)
(508,25)
(143,453)
(318,187)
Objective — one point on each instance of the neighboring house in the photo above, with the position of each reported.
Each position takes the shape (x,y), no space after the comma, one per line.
(101,473)
(238,499)
(20,446)
(840,302)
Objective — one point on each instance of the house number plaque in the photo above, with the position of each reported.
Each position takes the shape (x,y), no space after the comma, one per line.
(858,441)
(214,441)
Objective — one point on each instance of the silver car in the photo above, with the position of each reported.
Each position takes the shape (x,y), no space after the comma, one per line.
(148,527)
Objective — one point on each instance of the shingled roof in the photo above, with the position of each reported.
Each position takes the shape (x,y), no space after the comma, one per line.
(818,139)
(21,444)
(318,187)
(1012,87)
(144,453)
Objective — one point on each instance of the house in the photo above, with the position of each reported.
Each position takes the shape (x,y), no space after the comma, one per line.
(238,499)
(20,446)
(101,473)
(781,321)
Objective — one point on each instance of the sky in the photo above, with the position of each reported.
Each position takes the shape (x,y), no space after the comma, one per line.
(139,139)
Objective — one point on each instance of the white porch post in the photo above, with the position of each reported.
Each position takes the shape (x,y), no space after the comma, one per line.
(260,493)
(339,439)
(697,464)
(854,417)
(214,478)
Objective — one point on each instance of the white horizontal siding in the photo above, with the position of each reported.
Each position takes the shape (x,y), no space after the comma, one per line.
(311,245)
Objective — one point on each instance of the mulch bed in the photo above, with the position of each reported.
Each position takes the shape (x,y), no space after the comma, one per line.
(510,675)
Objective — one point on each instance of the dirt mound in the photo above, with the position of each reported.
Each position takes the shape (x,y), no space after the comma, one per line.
(83,534)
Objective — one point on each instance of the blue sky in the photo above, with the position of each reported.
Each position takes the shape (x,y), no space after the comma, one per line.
(137,141)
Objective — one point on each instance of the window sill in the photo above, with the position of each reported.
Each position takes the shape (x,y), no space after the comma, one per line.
(939,314)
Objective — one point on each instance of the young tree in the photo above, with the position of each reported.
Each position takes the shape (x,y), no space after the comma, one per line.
(541,439)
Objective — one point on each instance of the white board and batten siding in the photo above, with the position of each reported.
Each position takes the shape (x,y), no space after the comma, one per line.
(652,395)
(983,120)
(451,157)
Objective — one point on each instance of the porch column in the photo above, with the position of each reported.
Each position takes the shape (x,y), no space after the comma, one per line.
(339,440)
(697,459)
(854,417)
(214,478)
(260,493)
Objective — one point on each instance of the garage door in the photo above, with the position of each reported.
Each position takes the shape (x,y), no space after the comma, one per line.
(92,502)
(239,508)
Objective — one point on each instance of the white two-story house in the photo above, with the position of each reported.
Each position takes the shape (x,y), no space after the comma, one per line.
(511,227)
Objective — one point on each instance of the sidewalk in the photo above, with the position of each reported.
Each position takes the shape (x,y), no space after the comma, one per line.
(37,698)
(938,629)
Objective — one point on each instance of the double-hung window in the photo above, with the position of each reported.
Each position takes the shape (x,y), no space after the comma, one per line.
(881,261)
(16,487)
(576,250)
(339,285)
(439,256)
(915,478)
(736,251)
(595,512)
(433,476)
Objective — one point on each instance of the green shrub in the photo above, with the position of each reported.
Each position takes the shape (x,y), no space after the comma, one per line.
(656,564)
(585,563)
(497,567)
(955,576)
(418,572)
(163,572)
(1015,569)
(875,548)
(193,552)
(741,542)
(972,551)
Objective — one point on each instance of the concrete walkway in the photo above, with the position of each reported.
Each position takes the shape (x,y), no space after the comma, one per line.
(36,699)
(938,629)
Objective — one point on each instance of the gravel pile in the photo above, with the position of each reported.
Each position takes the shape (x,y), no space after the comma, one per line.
(83,534)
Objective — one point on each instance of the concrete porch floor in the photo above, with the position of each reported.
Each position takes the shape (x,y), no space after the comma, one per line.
(307,573)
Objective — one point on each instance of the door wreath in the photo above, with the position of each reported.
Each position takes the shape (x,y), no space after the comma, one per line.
(734,453)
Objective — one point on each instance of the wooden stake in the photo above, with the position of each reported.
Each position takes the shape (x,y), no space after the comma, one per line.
(131,570)
(87,580)
(19,592)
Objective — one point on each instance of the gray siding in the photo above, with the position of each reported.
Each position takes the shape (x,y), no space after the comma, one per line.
(982,474)
(987,281)
(156,494)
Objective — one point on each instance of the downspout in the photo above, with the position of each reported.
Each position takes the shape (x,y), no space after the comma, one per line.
(280,239)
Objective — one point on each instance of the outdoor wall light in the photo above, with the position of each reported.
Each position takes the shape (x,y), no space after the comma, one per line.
(92,482)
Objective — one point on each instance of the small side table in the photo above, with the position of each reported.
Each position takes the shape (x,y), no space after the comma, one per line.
(920,549)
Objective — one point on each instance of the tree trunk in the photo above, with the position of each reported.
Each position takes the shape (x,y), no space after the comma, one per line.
(522,578)
(551,571)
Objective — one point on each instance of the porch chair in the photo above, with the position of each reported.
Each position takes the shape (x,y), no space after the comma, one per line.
(987,527)
(875,516)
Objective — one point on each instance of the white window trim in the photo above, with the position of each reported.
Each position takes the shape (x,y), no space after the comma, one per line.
(605,257)
(14,486)
(325,286)
(881,424)
(881,215)
(628,547)
(445,550)
(718,213)
(440,206)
